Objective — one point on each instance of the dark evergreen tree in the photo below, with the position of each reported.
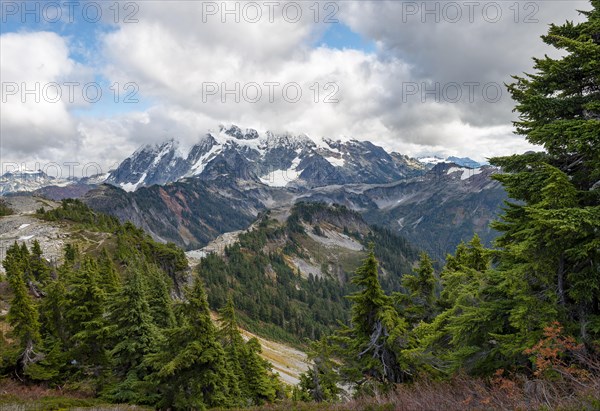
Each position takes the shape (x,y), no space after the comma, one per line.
(22,315)
(159,298)
(40,270)
(550,234)
(472,308)
(190,370)
(54,328)
(235,349)
(548,260)
(25,264)
(262,386)
(133,335)
(131,326)
(84,312)
(463,271)
(52,311)
(321,381)
(372,345)
(71,254)
(109,277)
(419,302)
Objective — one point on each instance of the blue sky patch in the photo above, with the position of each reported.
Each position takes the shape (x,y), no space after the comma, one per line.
(340,36)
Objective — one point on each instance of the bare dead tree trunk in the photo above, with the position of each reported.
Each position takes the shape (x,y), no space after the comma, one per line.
(37,293)
(583,323)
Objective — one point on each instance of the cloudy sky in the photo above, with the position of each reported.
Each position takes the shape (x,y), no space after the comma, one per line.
(89,82)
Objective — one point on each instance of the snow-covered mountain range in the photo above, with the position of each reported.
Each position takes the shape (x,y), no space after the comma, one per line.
(27,181)
(276,160)
(38,182)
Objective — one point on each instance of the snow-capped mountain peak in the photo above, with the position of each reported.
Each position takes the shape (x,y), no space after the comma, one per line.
(271,158)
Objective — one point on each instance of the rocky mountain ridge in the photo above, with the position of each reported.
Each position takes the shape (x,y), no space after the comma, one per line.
(192,212)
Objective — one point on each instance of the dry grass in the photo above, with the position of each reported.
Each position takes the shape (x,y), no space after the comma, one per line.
(16,396)
(474,394)
(460,394)
(464,393)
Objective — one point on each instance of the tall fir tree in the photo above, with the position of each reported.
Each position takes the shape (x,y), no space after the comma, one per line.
(109,277)
(71,253)
(133,335)
(22,315)
(547,266)
(262,385)
(549,235)
(26,264)
(190,370)
(131,328)
(85,315)
(372,345)
(419,301)
(463,270)
(251,374)
(234,346)
(159,298)
(321,381)
(54,330)
(473,310)
(39,269)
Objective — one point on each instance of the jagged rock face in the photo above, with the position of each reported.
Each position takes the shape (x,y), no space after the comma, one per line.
(189,213)
(273,159)
(236,132)
(158,164)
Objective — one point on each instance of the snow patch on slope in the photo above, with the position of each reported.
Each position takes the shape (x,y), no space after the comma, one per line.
(431,160)
(466,172)
(334,161)
(202,162)
(132,187)
(281,178)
